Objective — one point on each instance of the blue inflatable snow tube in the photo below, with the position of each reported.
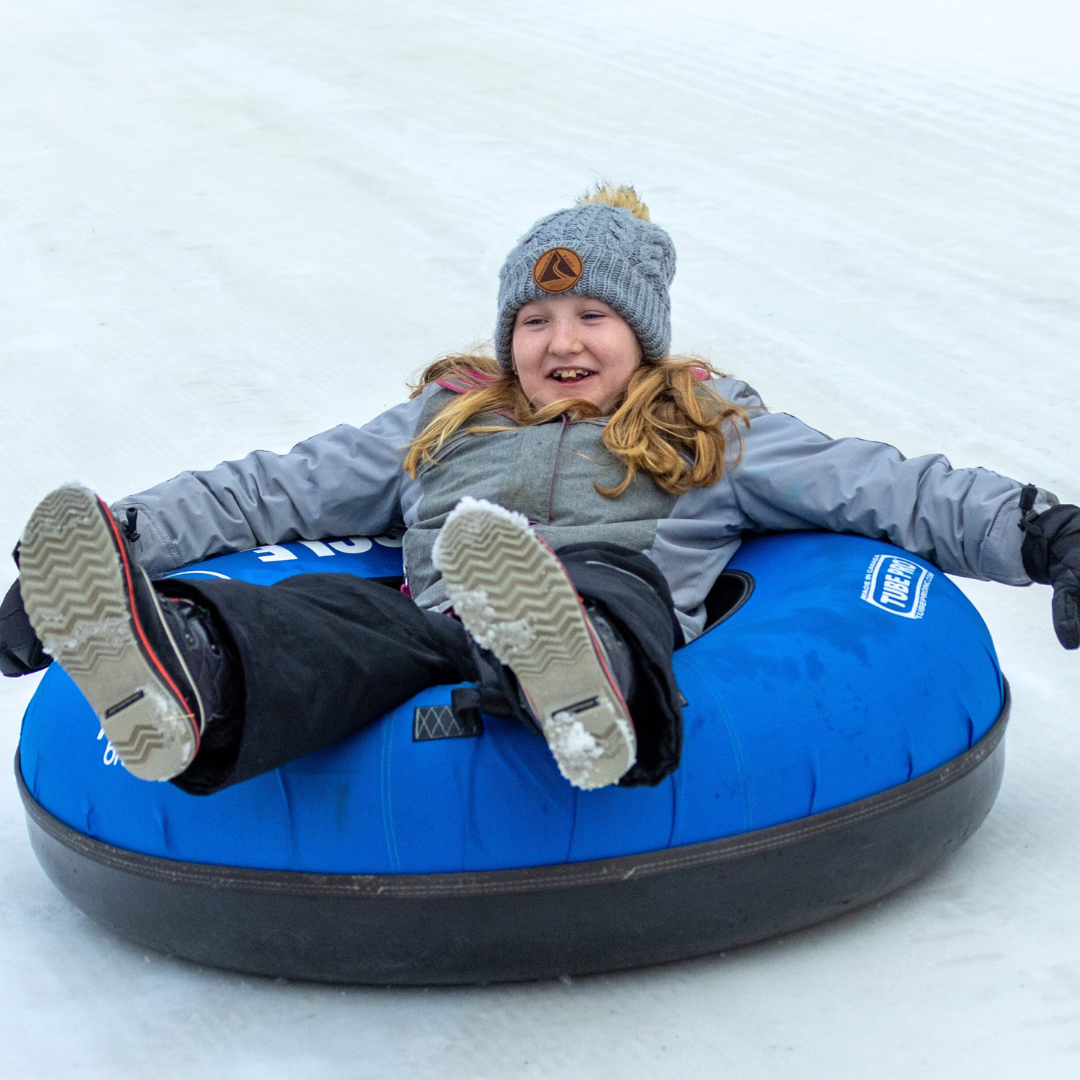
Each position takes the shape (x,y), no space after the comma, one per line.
(853,672)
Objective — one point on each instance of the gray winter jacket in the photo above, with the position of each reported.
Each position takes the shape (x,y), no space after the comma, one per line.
(350,482)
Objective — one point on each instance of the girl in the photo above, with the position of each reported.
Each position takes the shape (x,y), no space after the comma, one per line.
(565,509)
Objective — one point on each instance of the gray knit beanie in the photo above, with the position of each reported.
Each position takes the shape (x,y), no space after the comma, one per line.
(598,250)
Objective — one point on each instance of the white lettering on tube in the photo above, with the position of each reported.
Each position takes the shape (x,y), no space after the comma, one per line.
(318,547)
(354,545)
(274,553)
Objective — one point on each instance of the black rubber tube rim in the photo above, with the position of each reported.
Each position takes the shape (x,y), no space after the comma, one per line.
(395,887)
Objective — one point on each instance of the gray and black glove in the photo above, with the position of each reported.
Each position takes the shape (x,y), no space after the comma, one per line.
(20,650)
(1051,553)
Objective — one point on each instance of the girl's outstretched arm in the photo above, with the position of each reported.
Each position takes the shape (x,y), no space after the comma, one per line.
(347,481)
(966,521)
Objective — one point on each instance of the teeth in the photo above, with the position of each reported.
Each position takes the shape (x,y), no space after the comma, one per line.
(570,373)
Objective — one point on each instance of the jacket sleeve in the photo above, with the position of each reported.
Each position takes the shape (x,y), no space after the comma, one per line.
(965,521)
(346,481)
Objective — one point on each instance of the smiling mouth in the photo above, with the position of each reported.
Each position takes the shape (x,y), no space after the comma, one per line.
(570,375)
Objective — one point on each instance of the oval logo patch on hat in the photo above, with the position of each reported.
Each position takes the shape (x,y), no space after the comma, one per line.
(557,270)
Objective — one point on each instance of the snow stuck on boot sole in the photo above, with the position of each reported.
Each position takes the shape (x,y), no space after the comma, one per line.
(513,596)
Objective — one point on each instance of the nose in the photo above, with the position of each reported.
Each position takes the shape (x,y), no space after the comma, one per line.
(565,340)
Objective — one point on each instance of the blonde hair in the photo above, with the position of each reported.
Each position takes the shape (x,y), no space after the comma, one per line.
(670,424)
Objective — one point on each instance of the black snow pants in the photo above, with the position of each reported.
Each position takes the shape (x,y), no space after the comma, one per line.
(323,655)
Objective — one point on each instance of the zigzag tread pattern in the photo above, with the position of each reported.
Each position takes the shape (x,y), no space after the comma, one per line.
(76,598)
(523,582)
(143,741)
(72,583)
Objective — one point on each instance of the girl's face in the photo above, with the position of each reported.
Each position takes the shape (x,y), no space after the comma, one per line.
(574,347)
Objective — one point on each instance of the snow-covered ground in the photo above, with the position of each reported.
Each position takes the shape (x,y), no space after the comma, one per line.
(230,225)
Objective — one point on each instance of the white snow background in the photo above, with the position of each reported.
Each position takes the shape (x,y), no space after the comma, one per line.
(230,225)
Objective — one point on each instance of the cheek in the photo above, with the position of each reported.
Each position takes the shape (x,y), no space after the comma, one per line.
(518,347)
(524,352)
(623,355)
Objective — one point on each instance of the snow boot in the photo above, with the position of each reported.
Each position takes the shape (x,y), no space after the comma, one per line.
(514,597)
(143,662)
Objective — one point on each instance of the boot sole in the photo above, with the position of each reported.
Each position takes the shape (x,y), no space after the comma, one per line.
(77,590)
(513,596)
